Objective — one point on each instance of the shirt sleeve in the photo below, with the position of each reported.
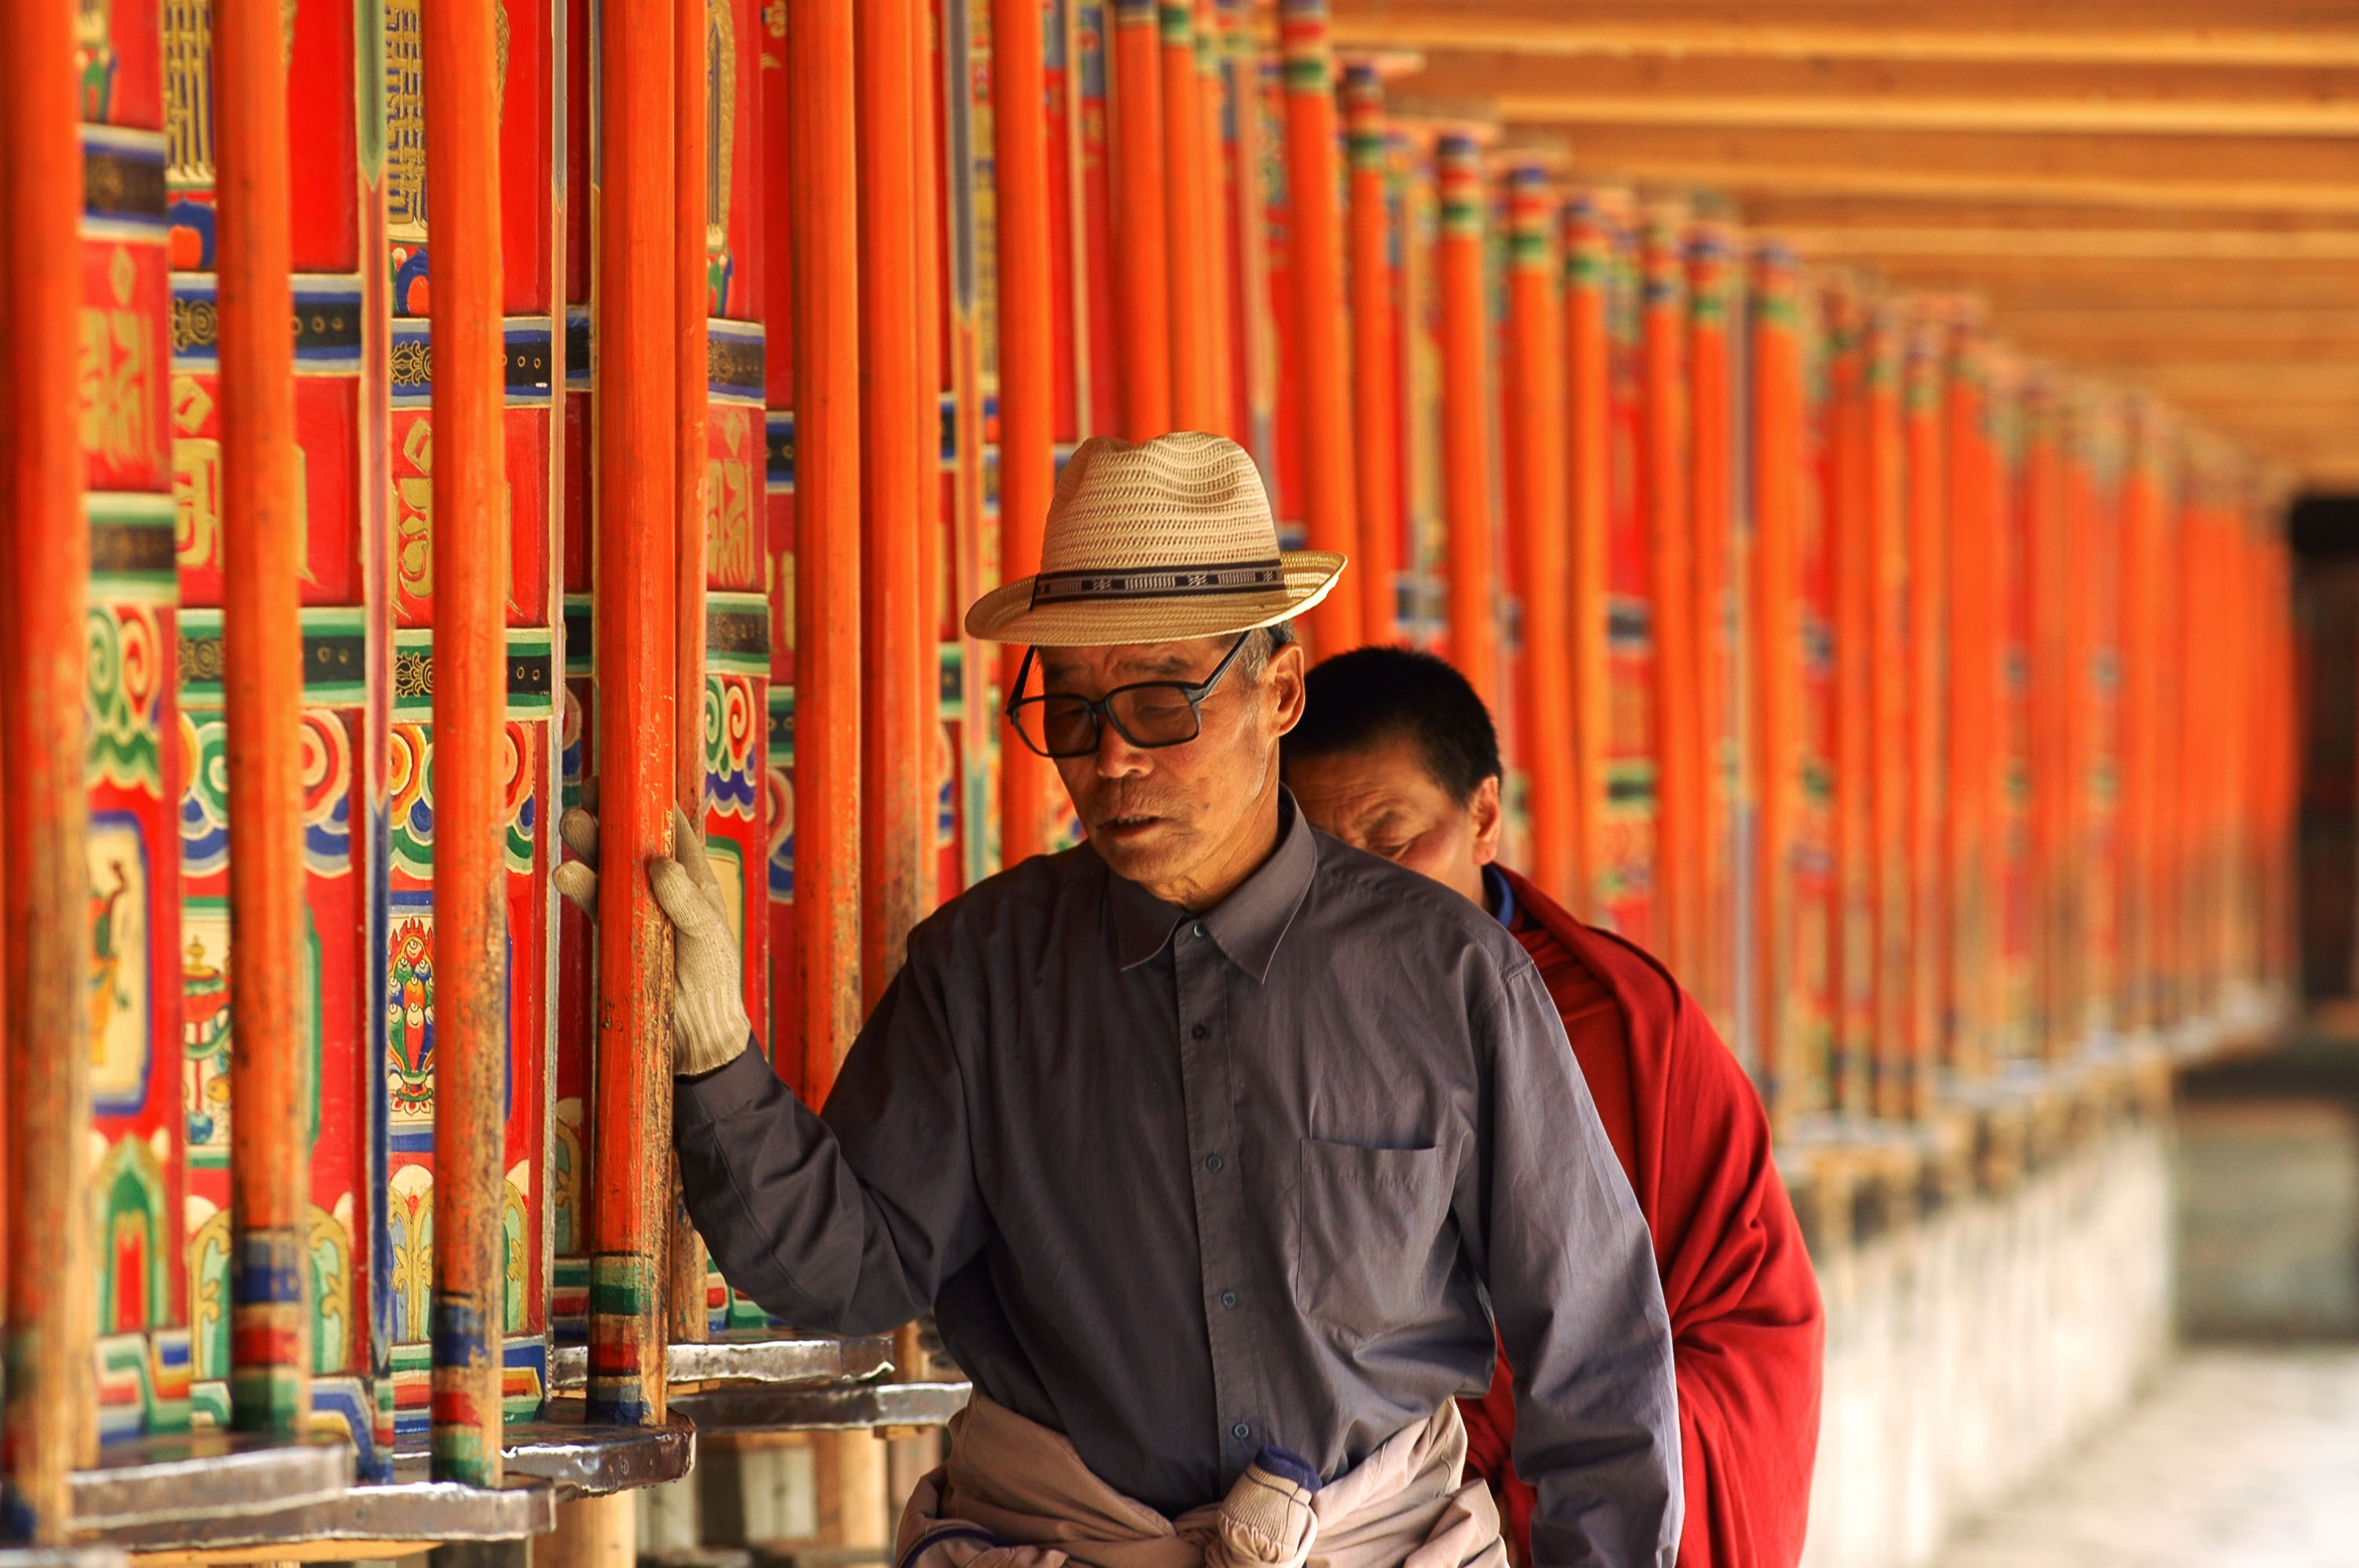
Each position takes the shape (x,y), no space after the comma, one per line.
(847,1222)
(1579,1305)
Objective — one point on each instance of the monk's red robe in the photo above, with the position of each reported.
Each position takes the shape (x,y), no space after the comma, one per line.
(1746,1329)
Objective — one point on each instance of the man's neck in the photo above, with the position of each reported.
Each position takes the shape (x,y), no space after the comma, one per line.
(1255,841)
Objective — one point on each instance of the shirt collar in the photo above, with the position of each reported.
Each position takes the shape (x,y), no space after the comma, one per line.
(1503,896)
(1247,925)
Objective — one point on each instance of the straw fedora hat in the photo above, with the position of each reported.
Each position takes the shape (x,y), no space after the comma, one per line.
(1152,541)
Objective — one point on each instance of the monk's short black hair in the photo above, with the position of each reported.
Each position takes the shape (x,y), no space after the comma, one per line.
(1371,695)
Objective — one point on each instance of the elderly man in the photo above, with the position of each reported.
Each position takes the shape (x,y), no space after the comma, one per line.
(1207,1142)
(1397,755)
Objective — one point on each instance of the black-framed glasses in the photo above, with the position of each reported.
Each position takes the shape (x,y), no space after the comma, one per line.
(1147,714)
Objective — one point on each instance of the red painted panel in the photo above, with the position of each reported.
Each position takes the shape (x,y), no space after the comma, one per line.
(326,436)
(323,194)
(121,368)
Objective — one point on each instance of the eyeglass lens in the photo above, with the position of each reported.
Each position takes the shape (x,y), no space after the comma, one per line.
(1157,714)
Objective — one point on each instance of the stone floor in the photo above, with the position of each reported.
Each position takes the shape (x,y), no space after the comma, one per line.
(2237,1458)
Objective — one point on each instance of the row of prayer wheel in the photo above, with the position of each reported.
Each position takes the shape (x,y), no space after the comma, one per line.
(1926,708)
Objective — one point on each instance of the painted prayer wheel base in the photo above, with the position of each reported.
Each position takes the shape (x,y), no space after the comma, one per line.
(587,1460)
(204,1476)
(846,1408)
(411,1510)
(749,1356)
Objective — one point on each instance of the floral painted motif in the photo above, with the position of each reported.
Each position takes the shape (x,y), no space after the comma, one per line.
(409,1020)
(125,680)
(733,741)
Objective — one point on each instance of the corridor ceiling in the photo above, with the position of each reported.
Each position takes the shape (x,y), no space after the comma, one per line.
(2164,193)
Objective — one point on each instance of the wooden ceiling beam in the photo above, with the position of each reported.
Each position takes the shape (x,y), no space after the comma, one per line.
(2076,244)
(2008,284)
(2138,335)
(1898,113)
(2122,35)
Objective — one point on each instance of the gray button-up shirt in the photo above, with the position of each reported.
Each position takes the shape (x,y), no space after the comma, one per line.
(1179,1186)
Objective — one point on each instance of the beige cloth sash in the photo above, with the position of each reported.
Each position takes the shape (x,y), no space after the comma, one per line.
(1016,1494)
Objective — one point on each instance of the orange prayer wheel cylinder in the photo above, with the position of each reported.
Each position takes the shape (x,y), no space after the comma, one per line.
(1465,418)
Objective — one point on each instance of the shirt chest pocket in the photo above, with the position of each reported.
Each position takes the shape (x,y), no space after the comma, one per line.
(1368,1247)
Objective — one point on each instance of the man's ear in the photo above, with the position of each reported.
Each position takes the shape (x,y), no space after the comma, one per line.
(1283,679)
(1490,820)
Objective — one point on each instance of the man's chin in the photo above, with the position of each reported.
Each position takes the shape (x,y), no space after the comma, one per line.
(1137,849)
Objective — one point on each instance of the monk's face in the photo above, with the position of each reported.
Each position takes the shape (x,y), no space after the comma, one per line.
(1382,798)
(1187,822)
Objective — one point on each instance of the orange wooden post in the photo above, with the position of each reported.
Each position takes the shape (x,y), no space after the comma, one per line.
(2142,718)
(1663,483)
(901,476)
(1186,226)
(685,1317)
(1316,269)
(2087,558)
(692,304)
(1030,794)
(1925,462)
(1891,870)
(1974,698)
(44,567)
(941,769)
(1588,255)
(1712,441)
(636,660)
(1142,283)
(2043,532)
(1850,533)
(263,554)
(822,177)
(462,168)
(1220,285)
(1536,505)
(1775,592)
(1466,417)
(1376,362)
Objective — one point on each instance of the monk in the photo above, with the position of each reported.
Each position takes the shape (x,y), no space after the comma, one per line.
(1397,755)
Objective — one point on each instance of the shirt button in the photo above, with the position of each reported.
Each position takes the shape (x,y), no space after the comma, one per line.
(1199,1032)
(1198,930)
(1213,1163)
(1228,1298)
(1241,1432)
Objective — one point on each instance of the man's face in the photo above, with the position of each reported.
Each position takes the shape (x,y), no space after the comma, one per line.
(1185,821)
(1381,799)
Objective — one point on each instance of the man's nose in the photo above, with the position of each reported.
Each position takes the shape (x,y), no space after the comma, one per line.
(1117,758)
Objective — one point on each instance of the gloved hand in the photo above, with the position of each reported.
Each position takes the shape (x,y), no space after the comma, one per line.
(707,995)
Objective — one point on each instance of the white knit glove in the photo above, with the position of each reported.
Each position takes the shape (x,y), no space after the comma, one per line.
(707,995)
